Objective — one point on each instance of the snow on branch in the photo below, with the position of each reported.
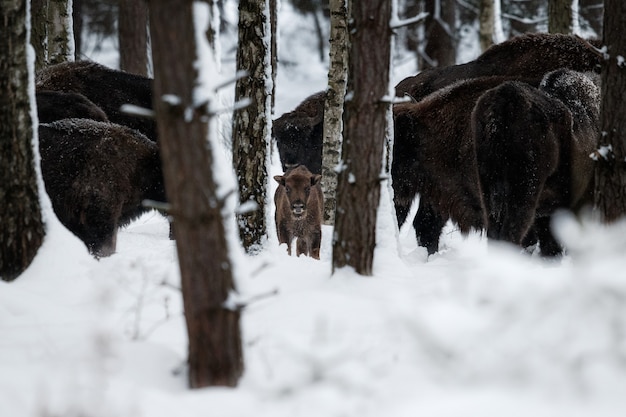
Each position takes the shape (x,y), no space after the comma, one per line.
(238,75)
(397,23)
(139,111)
(524,20)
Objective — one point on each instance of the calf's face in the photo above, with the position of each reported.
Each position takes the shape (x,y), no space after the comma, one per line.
(298,188)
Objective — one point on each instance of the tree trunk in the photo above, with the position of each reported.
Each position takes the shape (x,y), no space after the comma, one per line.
(333,107)
(77,27)
(274,49)
(441,42)
(562,15)
(486,19)
(251,125)
(365,124)
(60,32)
(610,186)
(22,230)
(133,36)
(215,351)
(39,32)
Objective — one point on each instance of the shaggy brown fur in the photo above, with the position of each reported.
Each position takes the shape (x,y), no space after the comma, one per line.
(299,203)
(57,105)
(298,134)
(533,156)
(434,156)
(97,176)
(530,56)
(109,89)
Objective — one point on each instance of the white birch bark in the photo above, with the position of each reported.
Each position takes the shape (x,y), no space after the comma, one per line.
(333,107)
(60,32)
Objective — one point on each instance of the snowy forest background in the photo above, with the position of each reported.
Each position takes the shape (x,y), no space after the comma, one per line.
(471,330)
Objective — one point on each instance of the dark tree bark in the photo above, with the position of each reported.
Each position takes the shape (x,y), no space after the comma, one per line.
(333,106)
(440,49)
(215,351)
(133,36)
(39,32)
(77,22)
(22,230)
(610,186)
(486,19)
(365,125)
(250,124)
(561,16)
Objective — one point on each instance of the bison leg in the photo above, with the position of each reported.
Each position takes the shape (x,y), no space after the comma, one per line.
(547,242)
(284,236)
(302,246)
(316,242)
(428,225)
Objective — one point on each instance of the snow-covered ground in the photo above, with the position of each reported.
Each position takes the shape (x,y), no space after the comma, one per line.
(474,330)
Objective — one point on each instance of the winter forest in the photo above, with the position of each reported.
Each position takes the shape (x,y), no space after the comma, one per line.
(312,208)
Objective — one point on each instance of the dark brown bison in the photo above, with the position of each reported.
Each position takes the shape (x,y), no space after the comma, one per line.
(529,56)
(57,105)
(434,156)
(97,176)
(533,154)
(299,203)
(298,134)
(109,89)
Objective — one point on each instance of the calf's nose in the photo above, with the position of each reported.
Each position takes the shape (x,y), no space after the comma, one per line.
(297,208)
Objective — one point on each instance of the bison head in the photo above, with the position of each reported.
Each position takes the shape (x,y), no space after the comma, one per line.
(297,183)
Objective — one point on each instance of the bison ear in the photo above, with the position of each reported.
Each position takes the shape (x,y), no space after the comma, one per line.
(280,179)
(315,179)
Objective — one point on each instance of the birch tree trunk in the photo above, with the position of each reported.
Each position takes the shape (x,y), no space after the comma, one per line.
(365,125)
(60,32)
(215,351)
(490,24)
(252,124)
(610,184)
(333,107)
(133,36)
(21,230)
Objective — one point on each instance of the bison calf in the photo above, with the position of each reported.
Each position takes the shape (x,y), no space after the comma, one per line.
(97,176)
(299,203)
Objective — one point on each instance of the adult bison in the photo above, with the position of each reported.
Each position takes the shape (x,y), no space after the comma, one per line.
(57,105)
(108,88)
(299,203)
(533,148)
(298,134)
(434,156)
(97,176)
(526,56)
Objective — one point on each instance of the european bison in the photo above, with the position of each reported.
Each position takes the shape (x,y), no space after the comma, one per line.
(533,154)
(299,133)
(97,176)
(109,89)
(526,56)
(299,203)
(57,105)
(434,156)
